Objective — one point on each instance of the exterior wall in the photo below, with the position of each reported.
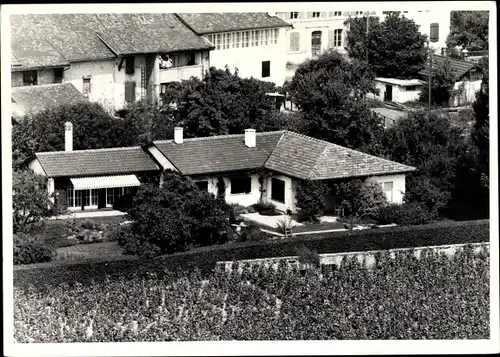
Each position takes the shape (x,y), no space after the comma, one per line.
(469,92)
(16,79)
(290,202)
(244,199)
(398,185)
(36,167)
(101,80)
(399,94)
(120,77)
(46,76)
(249,60)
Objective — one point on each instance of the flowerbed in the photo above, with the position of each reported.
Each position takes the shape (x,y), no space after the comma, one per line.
(432,298)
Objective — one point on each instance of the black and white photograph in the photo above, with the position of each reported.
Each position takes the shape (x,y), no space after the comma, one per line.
(222,179)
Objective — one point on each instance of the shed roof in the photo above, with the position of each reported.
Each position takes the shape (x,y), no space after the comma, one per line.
(458,66)
(400,82)
(204,23)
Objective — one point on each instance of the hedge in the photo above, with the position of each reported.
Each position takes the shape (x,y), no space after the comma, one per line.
(442,233)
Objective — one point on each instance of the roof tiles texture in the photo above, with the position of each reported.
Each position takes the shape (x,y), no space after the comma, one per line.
(36,98)
(286,152)
(203,23)
(460,67)
(42,40)
(96,162)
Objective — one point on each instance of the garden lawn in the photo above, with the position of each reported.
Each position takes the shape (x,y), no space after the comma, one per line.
(102,250)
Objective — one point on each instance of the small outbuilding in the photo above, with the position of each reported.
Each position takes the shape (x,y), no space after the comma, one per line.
(398,90)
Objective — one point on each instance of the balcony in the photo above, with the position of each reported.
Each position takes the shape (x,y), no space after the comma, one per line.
(177,74)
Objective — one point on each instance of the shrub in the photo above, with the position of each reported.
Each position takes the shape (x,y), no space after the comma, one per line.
(405,214)
(310,200)
(252,233)
(27,250)
(264,206)
(361,198)
(307,256)
(270,213)
(123,203)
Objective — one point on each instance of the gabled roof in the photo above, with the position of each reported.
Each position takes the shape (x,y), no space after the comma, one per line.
(37,98)
(286,152)
(96,162)
(304,157)
(35,53)
(204,23)
(400,82)
(459,67)
(86,37)
(215,154)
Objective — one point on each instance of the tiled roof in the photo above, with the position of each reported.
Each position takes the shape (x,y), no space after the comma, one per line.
(33,53)
(36,98)
(283,151)
(459,67)
(303,157)
(96,162)
(203,23)
(82,37)
(222,153)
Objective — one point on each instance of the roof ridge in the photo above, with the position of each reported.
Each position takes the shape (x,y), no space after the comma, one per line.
(215,137)
(43,85)
(90,150)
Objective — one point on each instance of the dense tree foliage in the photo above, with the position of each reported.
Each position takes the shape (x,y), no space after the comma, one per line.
(429,142)
(174,217)
(30,199)
(310,199)
(360,197)
(93,128)
(395,47)
(442,82)
(469,29)
(330,92)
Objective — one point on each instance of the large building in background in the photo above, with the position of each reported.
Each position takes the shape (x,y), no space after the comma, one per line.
(112,59)
(315,32)
(253,43)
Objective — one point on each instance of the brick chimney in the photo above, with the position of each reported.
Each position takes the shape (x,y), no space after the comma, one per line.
(250,140)
(178,135)
(68,136)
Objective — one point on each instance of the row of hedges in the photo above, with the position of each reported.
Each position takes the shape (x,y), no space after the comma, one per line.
(443,233)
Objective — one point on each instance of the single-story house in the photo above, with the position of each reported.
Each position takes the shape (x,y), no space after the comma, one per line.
(469,78)
(93,179)
(36,98)
(398,90)
(252,167)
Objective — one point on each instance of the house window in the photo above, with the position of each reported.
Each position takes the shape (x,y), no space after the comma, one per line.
(241,185)
(58,75)
(387,187)
(218,39)
(337,38)
(265,38)
(434,32)
(85,197)
(316,43)
(112,194)
(237,39)
(294,41)
(70,196)
(276,36)
(130,92)
(316,15)
(93,197)
(30,78)
(86,87)
(411,88)
(294,15)
(278,190)
(129,65)
(224,41)
(202,185)
(190,59)
(337,13)
(266,69)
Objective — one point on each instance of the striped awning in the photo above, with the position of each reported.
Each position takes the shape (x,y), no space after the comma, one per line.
(85,183)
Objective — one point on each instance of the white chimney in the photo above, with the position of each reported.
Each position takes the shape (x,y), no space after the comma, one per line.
(68,136)
(272,14)
(250,140)
(178,135)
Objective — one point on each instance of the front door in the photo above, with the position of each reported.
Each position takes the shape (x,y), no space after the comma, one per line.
(101,198)
(388,93)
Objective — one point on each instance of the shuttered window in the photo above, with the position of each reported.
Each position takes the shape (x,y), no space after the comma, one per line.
(130,92)
(434,32)
(129,65)
(294,42)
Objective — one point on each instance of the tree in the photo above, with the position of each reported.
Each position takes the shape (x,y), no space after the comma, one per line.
(174,217)
(330,92)
(310,199)
(442,83)
(431,144)
(396,49)
(30,199)
(361,197)
(222,103)
(93,128)
(469,29)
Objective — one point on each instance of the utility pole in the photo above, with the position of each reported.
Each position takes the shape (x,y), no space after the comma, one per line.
(430,72)
(367,40)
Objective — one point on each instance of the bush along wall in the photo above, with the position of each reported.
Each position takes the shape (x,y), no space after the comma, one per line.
(443,233)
